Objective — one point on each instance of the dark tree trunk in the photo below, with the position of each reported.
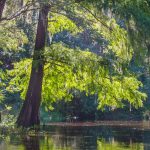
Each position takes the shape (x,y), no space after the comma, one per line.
(2,4)
(29,114)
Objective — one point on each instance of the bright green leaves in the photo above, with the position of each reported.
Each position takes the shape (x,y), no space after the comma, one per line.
(57,82)
(58,23)
(115,91)
(85,71)
(114,35)
(68,69)
(132,85)
(19,77)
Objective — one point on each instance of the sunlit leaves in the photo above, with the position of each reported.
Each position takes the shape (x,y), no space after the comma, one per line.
(113,92)
(69,69)
(2,84)
(59,23)
(19,77)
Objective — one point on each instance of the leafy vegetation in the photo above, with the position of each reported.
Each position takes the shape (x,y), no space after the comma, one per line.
(92,48)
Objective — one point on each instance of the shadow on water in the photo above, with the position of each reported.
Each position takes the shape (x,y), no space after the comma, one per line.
(78,138)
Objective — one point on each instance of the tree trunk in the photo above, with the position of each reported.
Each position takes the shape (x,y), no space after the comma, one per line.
(2,4)
(29,114)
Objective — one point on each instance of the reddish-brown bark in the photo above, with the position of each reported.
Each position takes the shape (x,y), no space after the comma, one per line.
(29,114)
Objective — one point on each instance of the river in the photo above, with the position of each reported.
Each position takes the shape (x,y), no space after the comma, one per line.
(78,138)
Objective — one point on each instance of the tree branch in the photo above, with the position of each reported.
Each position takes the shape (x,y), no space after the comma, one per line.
(29,6)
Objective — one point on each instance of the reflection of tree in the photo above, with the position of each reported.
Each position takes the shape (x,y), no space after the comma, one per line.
(115,145)
(42,143)
(72,138)
(31,143)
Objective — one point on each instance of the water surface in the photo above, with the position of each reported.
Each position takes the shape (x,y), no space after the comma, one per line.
(79,138)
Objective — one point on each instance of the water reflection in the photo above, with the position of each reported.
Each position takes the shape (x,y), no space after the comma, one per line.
(79,138)
(31,142)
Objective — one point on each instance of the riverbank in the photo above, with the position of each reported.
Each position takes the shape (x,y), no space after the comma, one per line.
(133,124)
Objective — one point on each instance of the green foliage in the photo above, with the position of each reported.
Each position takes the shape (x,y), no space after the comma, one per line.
(2,84)
(8,120)
(11,38)
(58,23)
(133,16)
(117,37)
(68,69)
(22,70)
(104,145)
(127,89)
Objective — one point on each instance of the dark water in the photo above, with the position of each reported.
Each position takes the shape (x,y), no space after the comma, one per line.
(79,138)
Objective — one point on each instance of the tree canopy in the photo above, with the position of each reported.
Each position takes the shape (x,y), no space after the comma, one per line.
(90,46)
